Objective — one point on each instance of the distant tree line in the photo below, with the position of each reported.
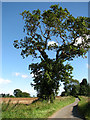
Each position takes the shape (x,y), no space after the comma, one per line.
(5,95)
(75,88)
(17,93)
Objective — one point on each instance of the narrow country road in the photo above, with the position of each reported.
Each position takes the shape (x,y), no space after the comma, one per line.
(69,111)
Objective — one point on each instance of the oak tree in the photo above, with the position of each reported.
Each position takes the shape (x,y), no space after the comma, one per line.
(63,30)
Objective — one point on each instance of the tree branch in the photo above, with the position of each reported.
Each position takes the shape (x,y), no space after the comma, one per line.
(74,40)
(57,55)
(43,53)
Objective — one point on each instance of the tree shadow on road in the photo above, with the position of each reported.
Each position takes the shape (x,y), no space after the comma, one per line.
(76,113)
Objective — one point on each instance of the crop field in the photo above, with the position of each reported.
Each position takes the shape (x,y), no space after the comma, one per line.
(36,109)
(18,100)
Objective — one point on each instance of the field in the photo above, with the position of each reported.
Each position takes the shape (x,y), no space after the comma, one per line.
(84,107)
(34,110)
(19,100)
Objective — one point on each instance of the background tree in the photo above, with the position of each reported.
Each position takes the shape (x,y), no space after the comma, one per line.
(59,25)
(25,94)
(84,87)
(71,88)
(75,88)
(2,94)
(19,93)
(88,90)
(5,95)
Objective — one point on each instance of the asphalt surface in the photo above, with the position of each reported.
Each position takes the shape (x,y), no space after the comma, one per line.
(69,112)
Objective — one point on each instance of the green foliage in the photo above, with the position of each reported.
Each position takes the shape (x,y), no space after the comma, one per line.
(84,88)
(58,24)
(5,106)
(71,88)
(35,110)
(75,88)
(47,77)
(6,95)
(25,94)
(19,93)
(84,107)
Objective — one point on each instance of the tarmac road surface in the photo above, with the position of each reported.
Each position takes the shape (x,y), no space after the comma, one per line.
(69,112)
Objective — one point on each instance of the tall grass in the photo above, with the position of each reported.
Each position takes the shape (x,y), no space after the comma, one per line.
(84,107)
(0,111)
(35,110)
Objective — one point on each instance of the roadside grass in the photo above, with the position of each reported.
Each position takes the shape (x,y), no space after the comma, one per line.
(35,110)
(84,107)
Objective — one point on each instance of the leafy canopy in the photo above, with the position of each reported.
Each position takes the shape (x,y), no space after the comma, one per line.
(58,24)
(64,30)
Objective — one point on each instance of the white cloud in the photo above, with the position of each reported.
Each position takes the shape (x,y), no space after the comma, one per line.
(52,43)
(21,75)
(88,66)
(24,76)
(3,81)
(79,40)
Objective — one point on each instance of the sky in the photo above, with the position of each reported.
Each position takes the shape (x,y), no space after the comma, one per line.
(15,73)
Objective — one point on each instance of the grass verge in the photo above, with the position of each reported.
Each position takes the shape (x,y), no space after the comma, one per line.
(84,107)
(34,110)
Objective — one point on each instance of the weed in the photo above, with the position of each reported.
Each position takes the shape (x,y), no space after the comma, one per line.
(15,105)
(5,105)
(37,109)
(84,107)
